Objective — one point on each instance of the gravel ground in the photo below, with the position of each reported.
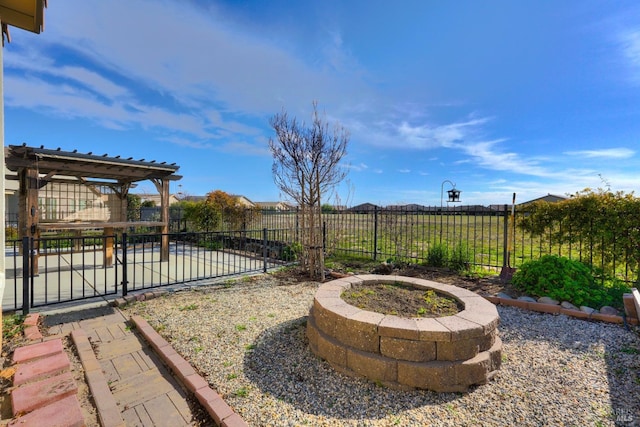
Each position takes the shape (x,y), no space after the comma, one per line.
(247,338)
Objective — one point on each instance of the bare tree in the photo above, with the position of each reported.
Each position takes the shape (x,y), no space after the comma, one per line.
(305,167)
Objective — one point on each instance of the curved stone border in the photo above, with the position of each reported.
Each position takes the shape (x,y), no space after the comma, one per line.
(443,354)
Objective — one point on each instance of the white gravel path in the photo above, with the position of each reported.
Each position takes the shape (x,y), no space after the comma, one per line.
(248,340)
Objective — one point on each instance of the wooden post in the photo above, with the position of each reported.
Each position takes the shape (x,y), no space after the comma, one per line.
(162,185)
(107,247)
(29,214)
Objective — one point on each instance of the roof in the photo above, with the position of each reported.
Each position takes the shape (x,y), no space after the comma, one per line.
(79,165)
(551,198)
(25,14)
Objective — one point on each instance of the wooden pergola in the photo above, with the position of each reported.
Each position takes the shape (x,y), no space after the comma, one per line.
(38,167)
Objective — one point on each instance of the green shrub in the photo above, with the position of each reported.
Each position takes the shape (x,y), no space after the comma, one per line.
(291,252)
(437,255)
(564,279)
(459,259)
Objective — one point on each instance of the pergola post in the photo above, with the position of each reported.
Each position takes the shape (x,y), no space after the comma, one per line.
(29,210)
(162,185)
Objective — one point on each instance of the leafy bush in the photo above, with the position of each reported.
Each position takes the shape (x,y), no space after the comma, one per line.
(459,259)
(437,255)
(291,252)
(564,279)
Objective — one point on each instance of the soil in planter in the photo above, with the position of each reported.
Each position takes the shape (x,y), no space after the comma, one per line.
(401,300)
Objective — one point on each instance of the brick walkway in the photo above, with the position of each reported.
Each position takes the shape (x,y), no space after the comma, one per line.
(134,376)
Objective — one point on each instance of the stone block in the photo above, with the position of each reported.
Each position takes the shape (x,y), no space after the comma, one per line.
(514,303)
(436,376)
(35,395)
(432,330)
(65,412)
(574,313)
(411,350)
(331,350)
(360,331)
(312,334)
(475,370)
(47,366)
(545,308)
(609,318)
(464,349)
(399,327)
(461,329)
(372,366)
(36,351)
(327,318)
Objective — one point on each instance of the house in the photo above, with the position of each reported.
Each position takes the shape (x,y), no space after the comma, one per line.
(243,201)
(155,198)
(549,198)
(274,206)
(364,208)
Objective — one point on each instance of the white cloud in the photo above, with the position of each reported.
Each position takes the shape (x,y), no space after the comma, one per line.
(358,168)
(605,153)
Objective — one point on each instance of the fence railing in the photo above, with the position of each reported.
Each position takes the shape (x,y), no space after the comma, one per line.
(54,270)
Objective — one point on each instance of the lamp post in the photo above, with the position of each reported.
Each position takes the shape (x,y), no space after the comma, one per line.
(453,196)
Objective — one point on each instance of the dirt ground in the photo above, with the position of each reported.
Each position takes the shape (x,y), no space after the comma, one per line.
(489,284)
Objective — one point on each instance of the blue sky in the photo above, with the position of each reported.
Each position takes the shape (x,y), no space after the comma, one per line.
(495,96)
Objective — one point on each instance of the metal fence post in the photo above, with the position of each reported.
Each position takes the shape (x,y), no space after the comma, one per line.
(297,224)
(505,234)
(125,282)
(375,233)
(26,273)
(324,237)
(265,249)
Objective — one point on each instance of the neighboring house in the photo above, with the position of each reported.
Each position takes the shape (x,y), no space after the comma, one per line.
(364,208)
(244,201)
(274,206)
(155,198)
(64,202)
(550,198)
(193,198)
(413,207)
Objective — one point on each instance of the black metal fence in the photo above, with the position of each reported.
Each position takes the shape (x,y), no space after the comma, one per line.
(485,237)
(54,270)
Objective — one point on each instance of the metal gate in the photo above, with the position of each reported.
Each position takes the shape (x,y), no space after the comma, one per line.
(55,270)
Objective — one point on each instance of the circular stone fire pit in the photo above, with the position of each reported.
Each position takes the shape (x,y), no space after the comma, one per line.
(443,354)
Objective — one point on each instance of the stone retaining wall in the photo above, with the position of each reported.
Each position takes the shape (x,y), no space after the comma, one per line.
(444,354)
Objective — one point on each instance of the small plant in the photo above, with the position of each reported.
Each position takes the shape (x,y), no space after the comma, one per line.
(12,326)
(437,255)
(241,392)
(459,259)
(188,307)
(630,350)
(232,376)
(249,347)
(241,327)
(291,252)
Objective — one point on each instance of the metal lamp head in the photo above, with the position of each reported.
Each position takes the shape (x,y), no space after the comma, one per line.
(454,195)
